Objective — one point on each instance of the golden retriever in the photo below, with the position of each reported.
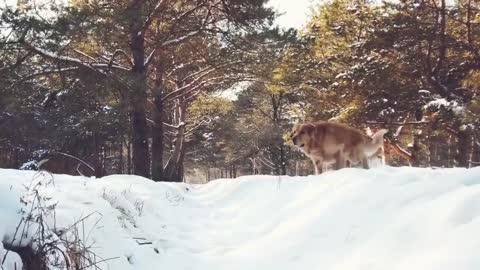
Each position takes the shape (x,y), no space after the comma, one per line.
(334,143)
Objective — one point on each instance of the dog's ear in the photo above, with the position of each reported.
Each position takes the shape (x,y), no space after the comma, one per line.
(296,128)
(307,128)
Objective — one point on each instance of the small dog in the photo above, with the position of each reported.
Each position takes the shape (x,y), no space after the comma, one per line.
(334,143)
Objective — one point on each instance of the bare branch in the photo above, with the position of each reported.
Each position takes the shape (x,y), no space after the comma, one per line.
(120,52)
(207,120)
(46,72)
(398,123)
(184,65)
(85,55)
(167,41)
(149,57)
(189,85)
(149,19)
(172,126)
(78,159)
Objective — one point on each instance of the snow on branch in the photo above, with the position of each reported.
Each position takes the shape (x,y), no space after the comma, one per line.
(179,39)
(74,61)
(149,57)
(174,127)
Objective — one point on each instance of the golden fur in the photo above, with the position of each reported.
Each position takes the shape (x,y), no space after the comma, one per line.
(334,143)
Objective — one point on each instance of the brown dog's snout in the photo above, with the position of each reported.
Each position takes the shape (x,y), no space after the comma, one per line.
(294,140)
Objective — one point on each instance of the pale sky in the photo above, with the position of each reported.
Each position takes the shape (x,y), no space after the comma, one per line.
(296,12)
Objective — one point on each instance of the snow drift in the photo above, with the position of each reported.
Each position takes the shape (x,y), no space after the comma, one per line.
(383,218)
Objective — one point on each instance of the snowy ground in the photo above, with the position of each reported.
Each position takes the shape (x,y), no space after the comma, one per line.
(383,218)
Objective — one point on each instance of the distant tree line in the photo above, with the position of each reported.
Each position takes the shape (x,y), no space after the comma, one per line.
(173,88)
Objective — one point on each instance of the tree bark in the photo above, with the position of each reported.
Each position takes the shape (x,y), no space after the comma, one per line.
(141,163)
(416,155)
(157,134)
(138,93)
(120,158)
(96,156)
(129,153)
(173,167)
(283,159)
(464,144)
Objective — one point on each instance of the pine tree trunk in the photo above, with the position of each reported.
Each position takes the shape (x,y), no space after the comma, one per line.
(120,158)
(475,155)
(172,169)
(157,135)
(140,138)
(96,156)
(104,158)
(464,147)
(138,93)
(283,159)
(416,150)
(180,176)
(129,154)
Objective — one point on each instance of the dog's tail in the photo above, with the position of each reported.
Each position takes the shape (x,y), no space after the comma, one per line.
(377,142)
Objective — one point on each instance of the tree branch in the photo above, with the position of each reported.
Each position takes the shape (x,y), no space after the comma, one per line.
(71,60)
(17,63)
(149,19)
(120,52)
(46,72)
(398,123)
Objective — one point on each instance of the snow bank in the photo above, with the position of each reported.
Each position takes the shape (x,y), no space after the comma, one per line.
(382,218)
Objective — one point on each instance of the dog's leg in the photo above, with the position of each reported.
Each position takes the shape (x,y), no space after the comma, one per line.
(365,162)
(382,155)
(325,167)
(318,164)
(340,161)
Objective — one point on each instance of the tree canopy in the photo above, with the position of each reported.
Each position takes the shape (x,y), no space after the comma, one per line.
(170,89)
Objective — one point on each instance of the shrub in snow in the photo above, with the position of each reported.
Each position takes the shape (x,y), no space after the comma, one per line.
(129,207)
(30,165)
(37,243)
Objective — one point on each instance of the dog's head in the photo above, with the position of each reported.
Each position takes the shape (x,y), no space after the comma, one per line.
(302,134)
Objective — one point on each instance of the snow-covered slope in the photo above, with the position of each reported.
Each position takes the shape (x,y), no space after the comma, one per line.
(383,218)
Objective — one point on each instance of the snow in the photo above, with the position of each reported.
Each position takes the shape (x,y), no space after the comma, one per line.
(424,92)
(439,102)
(382,218)
(9,208)
(29,165)
(442,102)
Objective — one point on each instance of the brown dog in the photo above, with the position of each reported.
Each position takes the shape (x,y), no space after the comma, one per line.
(334,143)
